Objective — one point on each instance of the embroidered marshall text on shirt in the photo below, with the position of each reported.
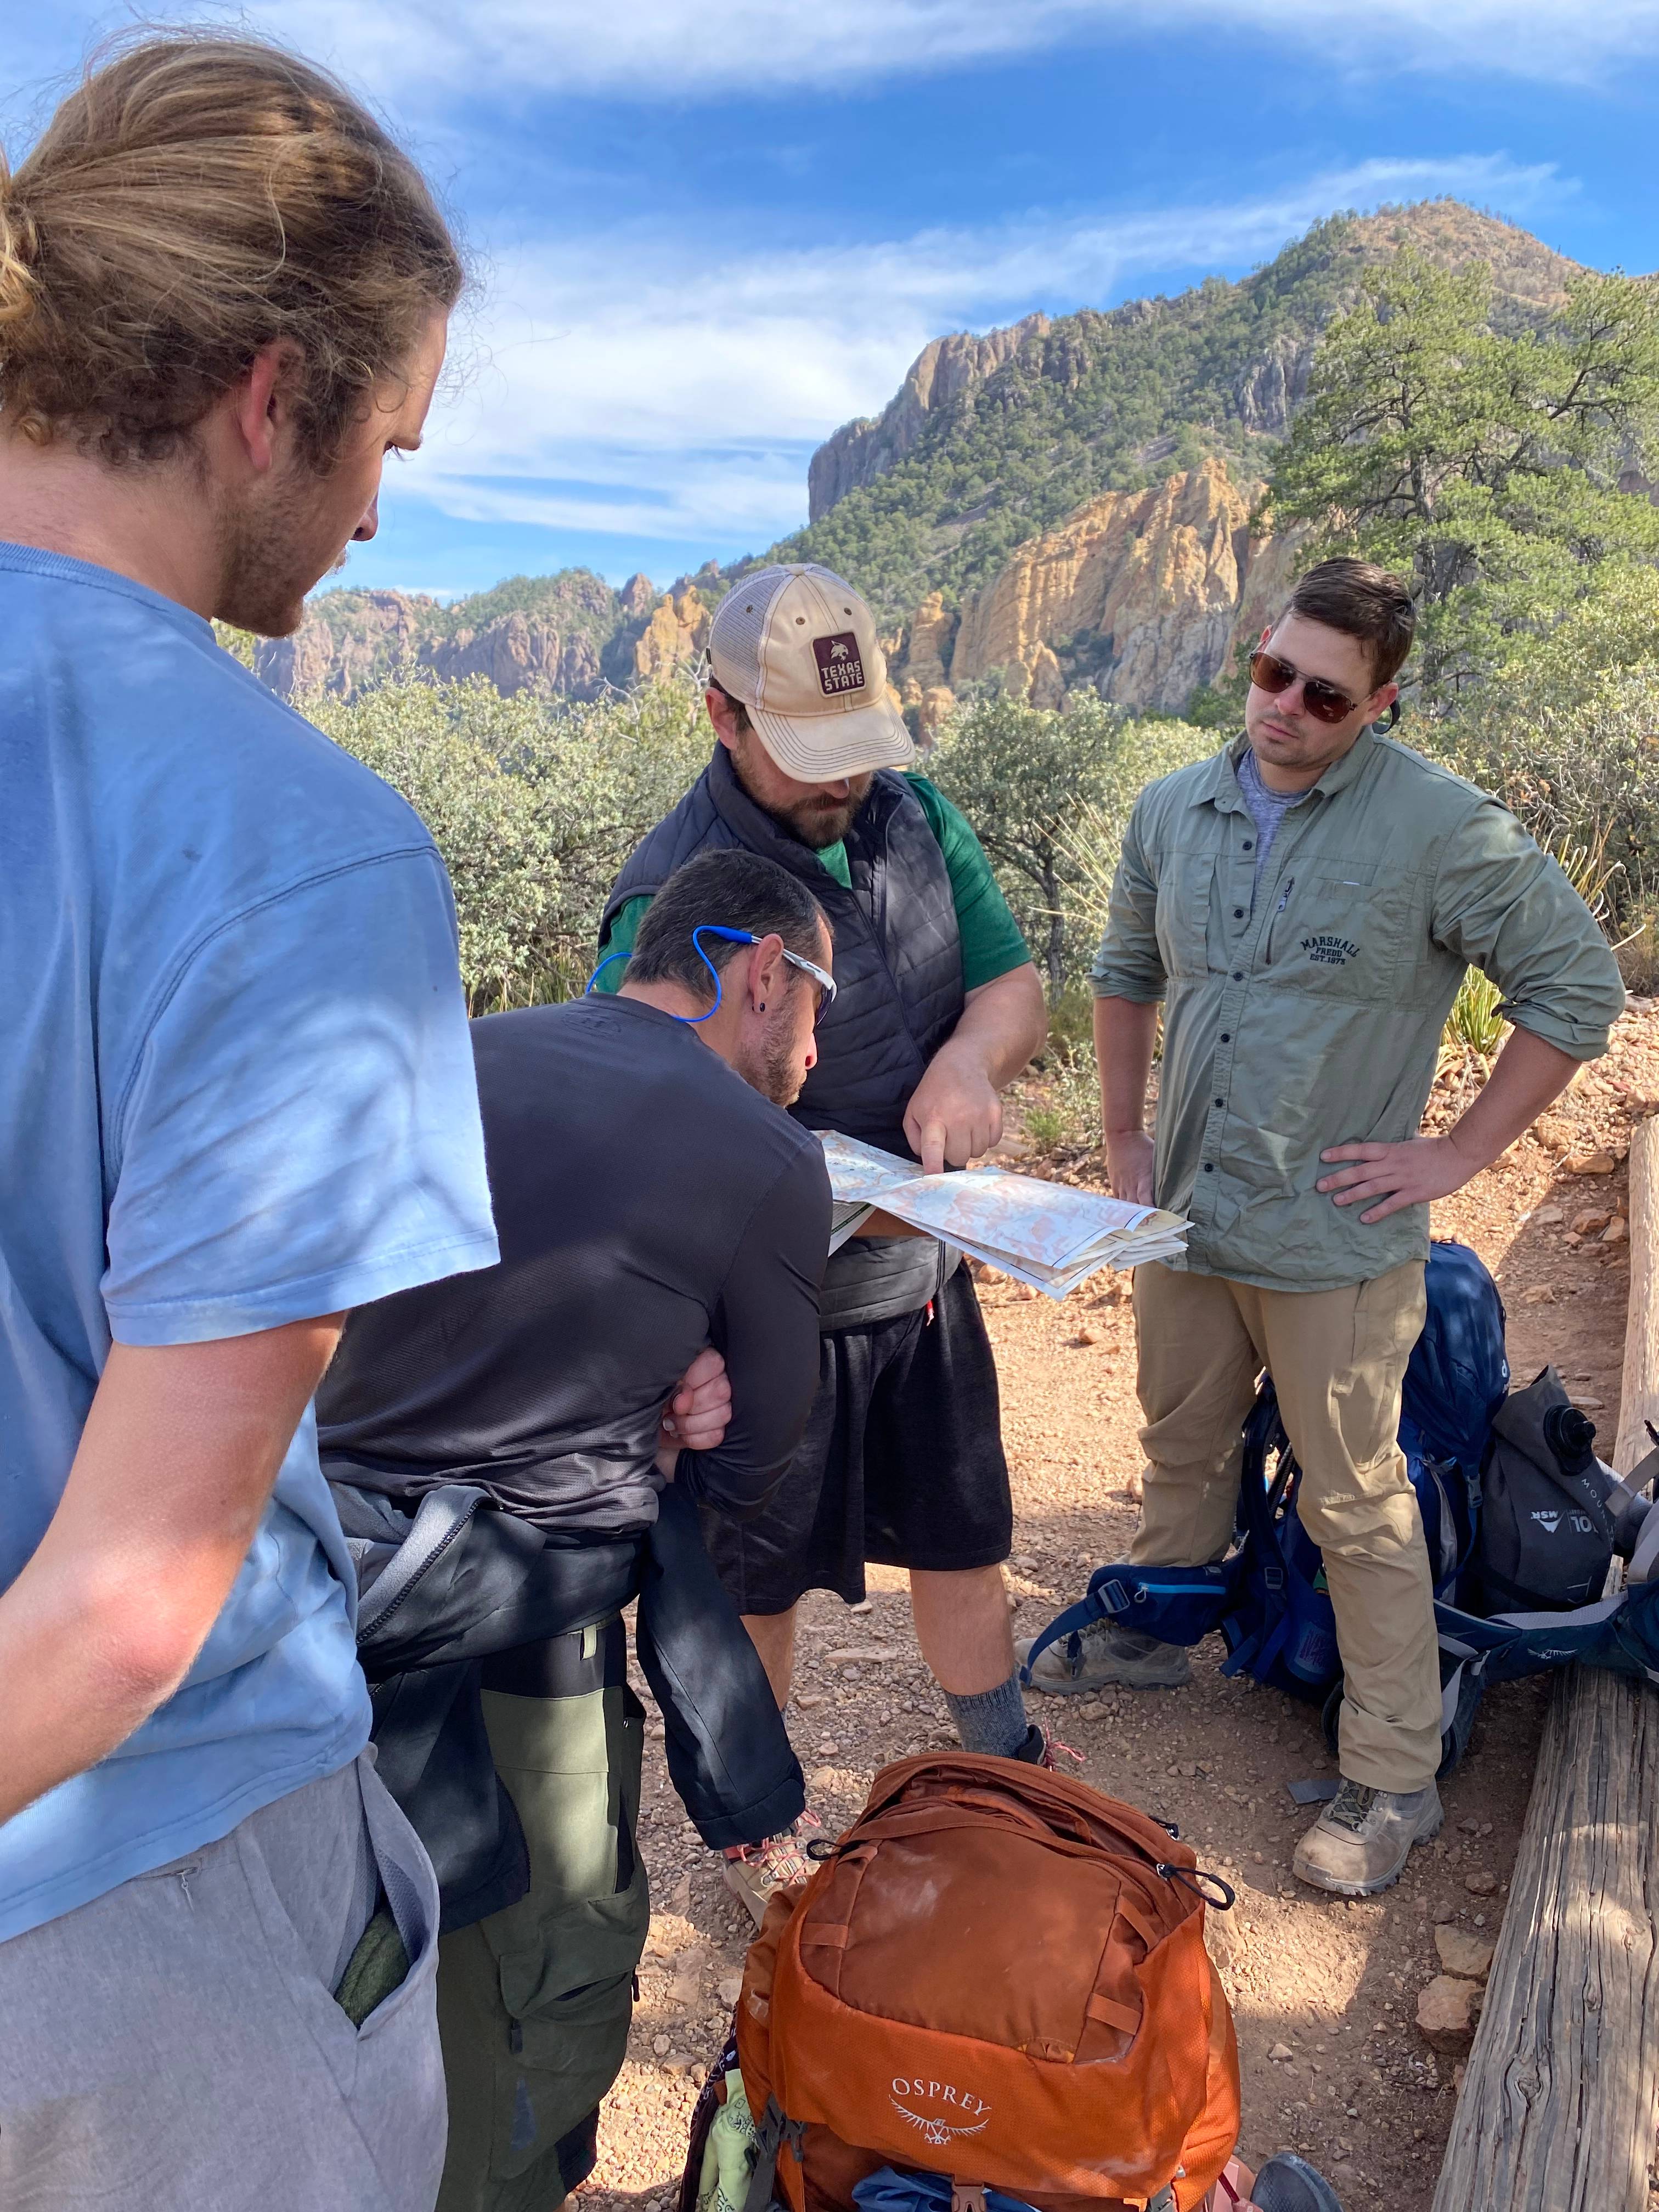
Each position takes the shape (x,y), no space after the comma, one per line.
(1330,951)
(841,665)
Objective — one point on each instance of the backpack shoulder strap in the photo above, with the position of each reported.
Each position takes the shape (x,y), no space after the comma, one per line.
(1178,1604)
(773,2132)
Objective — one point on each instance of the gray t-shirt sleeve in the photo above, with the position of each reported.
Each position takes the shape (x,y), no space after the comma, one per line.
(299,1132)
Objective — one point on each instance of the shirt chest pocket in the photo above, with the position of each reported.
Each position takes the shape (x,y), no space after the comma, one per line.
(1183,912)
(1341,928)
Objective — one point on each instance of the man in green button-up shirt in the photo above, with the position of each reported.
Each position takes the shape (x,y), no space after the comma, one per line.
(1304,905)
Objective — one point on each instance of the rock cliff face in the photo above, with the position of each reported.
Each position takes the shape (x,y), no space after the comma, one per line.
(1082,438)
(1145,588)
(945,368)
(1143,596)
(1268,389)
(674,633)
(380,631)
(1080,443)
(567,635)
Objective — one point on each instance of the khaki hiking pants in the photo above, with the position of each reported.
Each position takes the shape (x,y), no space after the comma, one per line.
(1337,1358)
(534,2002)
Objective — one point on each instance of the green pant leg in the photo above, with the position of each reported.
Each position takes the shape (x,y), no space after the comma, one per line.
(534,2003)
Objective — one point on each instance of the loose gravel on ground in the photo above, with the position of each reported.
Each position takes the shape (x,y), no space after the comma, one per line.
(1325,1991)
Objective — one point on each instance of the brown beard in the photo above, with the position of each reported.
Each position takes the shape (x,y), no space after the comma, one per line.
(821,822)
(270,560)
(816,821)
(772,1070)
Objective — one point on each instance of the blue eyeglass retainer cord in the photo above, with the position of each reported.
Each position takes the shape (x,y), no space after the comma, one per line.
(703,929)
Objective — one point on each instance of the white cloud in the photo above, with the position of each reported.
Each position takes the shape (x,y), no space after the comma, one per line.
(427,55)
(658,49)
(618,388)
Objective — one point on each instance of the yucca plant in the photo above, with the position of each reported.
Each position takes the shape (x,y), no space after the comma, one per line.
(1474,1024)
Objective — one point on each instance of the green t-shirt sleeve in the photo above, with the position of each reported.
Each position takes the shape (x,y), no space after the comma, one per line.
(619,938)
(991,941)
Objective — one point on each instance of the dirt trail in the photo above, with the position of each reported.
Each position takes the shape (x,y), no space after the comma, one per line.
(1324,1992)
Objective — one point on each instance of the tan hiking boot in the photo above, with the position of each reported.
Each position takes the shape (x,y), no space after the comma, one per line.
(756,1872)
(1103,1653)
(1361,1841)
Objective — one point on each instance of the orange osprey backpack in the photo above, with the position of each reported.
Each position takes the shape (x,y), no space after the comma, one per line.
(999,1975)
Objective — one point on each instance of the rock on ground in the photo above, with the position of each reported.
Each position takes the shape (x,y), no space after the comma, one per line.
(1447,2009)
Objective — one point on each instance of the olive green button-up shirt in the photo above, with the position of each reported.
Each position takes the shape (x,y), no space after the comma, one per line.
(1306,1010)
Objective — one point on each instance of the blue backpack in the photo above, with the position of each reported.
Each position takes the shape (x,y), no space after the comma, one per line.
(1268,1597)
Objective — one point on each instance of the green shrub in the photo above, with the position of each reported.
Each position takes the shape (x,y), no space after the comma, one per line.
(1027,778)
(1062,1107)
(1474,1024)
(534,803)
(1568,735)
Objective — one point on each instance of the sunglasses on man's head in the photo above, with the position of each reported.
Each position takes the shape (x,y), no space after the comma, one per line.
(1322,701)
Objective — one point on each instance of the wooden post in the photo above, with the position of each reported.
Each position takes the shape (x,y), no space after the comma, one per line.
(1560,2109)
(1639,1391)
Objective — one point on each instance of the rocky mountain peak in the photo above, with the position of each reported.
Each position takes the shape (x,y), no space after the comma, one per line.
(942,372)
(1072,513)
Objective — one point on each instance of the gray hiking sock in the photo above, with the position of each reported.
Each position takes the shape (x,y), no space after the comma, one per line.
(992,1721)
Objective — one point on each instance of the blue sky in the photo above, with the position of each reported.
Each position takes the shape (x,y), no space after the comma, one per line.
(708,231)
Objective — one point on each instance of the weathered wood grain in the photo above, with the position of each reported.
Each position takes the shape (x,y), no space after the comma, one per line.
(1560,2108)
(1638,1392)
(1560,2103)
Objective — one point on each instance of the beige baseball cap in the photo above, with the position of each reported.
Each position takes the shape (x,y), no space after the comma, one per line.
(798,647)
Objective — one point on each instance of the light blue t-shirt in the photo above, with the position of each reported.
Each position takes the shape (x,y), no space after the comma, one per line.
(236,1090)
(1267,811)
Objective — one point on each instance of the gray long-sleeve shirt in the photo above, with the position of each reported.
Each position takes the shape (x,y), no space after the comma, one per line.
(1311,1014)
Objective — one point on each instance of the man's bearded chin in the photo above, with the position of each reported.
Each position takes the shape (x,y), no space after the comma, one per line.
(269,563)
(819,822)
(772,1070)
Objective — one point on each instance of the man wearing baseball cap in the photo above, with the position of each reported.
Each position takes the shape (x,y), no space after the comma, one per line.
(938,1006)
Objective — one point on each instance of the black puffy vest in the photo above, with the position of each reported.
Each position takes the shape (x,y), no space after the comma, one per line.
(898,954)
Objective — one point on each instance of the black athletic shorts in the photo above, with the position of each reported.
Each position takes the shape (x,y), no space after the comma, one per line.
(902,1463)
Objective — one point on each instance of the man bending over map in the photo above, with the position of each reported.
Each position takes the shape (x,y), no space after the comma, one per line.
(653,1199)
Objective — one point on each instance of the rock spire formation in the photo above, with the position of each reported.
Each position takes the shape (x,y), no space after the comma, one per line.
(567,636)
(944,370)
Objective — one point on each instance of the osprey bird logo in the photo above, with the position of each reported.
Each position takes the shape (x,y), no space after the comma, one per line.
(937,2132)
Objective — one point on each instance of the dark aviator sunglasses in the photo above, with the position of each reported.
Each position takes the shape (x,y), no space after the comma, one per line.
(1323,700)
